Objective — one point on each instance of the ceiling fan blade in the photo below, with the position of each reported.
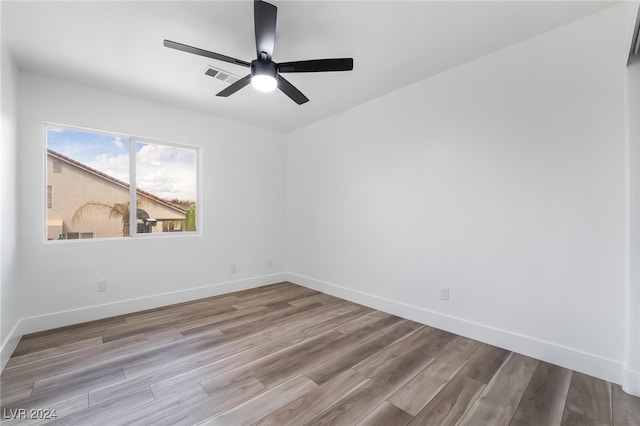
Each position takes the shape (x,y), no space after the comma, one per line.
(291,91)
(235,86)
(205,53)
(264,16)
(317,65)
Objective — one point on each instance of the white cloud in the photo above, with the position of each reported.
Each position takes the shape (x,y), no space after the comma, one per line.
(113,165)
(117,142)
(167,171)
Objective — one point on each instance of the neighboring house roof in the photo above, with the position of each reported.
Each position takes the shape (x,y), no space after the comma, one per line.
(115,181)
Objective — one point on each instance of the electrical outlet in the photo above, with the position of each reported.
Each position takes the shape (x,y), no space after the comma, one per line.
(269,262)
(102,285)
(233,268)
(444,293)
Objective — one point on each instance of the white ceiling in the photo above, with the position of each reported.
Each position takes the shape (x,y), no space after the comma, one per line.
(118,46)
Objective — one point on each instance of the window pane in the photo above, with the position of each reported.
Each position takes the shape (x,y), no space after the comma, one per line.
(89,174)
(166,187)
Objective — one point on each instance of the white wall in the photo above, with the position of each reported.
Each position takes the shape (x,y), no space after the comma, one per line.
(631,378)
(631,372)
(9,314)
(243,181)
(503,179)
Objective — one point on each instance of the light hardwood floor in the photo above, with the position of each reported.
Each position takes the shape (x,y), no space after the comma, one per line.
(287,355)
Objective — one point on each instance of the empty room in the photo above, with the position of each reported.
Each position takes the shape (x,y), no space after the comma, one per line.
(320,212)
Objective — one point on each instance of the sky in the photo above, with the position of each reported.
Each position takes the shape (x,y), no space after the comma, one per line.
(166,171)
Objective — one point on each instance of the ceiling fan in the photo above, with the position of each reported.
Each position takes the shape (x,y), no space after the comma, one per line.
(265,74)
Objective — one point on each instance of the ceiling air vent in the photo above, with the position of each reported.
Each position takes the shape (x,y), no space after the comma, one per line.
(223,75)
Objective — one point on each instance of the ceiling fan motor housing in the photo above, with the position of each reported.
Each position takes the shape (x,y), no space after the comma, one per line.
(260,67)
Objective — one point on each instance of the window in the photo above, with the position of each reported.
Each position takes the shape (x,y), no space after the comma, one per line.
(92,173)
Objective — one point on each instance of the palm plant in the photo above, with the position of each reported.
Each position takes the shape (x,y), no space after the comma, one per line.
(119,211)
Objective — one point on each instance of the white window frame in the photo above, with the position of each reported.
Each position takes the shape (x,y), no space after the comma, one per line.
(133,229)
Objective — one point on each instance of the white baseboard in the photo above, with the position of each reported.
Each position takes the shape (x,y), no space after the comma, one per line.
(631,381)
(9,345)
(574,359)
(594,365)
(74,316)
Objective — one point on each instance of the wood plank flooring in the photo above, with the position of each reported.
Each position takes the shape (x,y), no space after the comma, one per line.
(287,355)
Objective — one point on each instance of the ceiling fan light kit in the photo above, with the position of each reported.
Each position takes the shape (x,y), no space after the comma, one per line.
(265,74)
